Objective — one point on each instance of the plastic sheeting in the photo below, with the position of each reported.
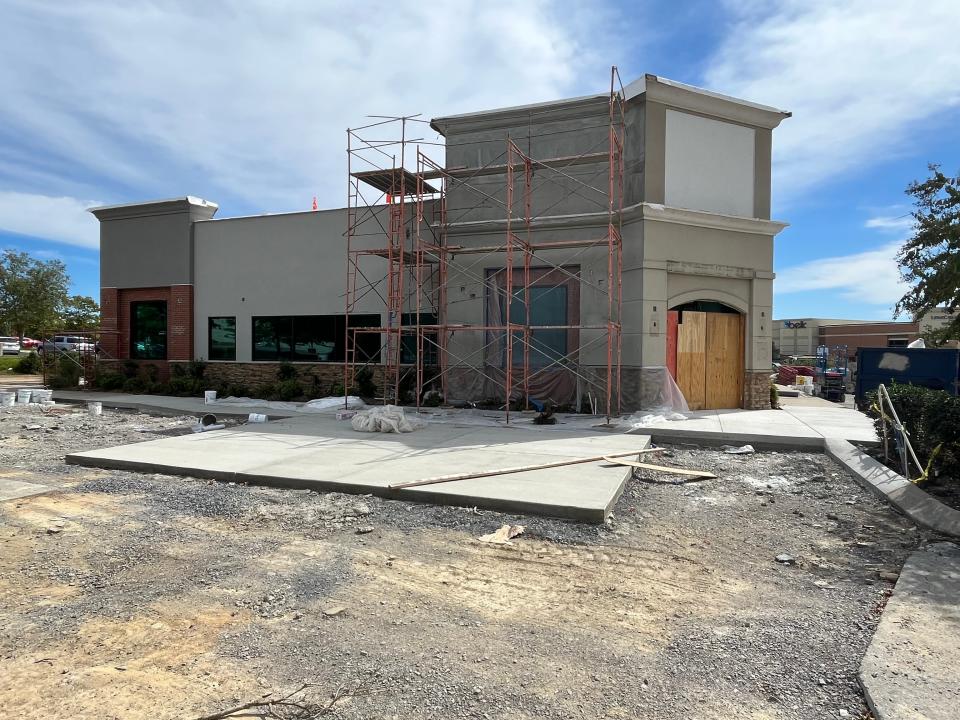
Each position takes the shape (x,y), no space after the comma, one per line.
(385,419)
(318,405)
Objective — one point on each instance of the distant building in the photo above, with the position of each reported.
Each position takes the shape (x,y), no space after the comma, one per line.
(801,336)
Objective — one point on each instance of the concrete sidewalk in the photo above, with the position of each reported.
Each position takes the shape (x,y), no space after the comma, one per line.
(797,426)
(911,670)
(169,405)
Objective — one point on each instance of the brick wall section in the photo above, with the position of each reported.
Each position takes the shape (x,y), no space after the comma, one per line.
(756,390)
(317,379)
(109,308)
(180,323)
(115,318)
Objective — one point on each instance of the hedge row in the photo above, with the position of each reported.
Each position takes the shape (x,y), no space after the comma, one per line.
(932,419)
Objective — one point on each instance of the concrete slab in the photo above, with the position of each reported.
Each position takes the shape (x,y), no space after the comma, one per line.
(323,453)
(792,427)
(911,670)
(12,489)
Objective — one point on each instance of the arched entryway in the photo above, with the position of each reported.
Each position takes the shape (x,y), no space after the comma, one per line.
(705,353)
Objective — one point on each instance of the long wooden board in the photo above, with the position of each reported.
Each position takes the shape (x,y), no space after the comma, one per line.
(660,468)
(517,469)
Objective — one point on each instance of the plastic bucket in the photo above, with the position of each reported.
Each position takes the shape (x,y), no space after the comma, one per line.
(7,399)
(95,408)
(256,418)
(23,396)
(209,396)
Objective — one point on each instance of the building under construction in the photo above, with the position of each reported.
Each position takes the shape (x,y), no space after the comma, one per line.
(602,253)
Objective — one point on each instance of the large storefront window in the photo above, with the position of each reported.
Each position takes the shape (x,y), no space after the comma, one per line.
(312,338)
(222,338)
(548,306)
(148,330)
(408,345)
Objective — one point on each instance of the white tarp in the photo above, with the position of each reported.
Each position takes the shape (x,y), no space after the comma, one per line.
(318,405)
(386,419)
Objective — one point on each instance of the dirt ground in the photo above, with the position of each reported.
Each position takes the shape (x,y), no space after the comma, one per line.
(127,595)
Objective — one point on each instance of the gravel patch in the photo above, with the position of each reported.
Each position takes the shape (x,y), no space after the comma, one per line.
(212,593)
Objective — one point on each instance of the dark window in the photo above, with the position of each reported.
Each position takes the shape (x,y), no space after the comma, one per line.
(548,306)
(222,338)
(148,330)
(312,338)
(408,346)
(897,342)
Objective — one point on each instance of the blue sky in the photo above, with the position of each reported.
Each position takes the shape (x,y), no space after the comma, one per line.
(245,103)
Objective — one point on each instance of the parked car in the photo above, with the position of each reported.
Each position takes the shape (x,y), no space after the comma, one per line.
(29,344)
(68,343)
(9,346)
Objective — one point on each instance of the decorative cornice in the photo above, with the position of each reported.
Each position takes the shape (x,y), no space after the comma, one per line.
(697,218)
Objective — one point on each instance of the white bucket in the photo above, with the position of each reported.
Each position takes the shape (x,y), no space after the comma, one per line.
(23,396)
(7,399)
(95,408)
(256,418)
(209,396)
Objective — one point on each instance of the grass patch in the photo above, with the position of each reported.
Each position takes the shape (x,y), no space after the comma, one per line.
(7,362)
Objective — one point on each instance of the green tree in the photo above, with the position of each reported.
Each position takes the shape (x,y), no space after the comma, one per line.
(81,313)
(930,260)
(33,293)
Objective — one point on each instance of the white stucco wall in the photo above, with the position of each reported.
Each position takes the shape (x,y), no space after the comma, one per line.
(709,165)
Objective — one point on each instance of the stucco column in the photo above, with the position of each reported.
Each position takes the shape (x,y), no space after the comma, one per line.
(758,343)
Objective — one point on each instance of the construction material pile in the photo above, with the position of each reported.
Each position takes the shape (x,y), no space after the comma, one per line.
(788,373)
(385,419)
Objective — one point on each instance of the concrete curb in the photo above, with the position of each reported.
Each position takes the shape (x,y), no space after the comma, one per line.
(904,495)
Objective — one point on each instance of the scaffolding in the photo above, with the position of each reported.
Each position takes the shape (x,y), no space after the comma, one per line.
(414,231)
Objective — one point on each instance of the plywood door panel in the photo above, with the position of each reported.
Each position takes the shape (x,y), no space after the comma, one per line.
(691,358)
(724,360)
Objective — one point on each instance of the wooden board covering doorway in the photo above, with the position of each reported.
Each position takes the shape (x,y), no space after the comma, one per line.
(709,359)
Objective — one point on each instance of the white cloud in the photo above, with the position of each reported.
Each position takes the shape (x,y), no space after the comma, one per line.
(856,75)
(896,223)
(252,99)
(62,219)
(870,277)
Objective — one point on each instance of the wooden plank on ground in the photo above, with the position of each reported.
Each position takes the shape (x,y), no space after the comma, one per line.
(517,469)
(659,468)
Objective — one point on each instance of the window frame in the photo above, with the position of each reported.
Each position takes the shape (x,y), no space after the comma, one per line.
(134,353)
(210,320)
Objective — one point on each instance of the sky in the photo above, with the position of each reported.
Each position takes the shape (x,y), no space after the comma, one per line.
(246,102)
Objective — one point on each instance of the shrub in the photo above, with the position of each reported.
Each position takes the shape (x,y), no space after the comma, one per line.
(774,397)
(66,372)
(196,369)
(131,368)
(110,380)
(286,371)
(289,390)
(135,385)
(364,384)
(184,386)
(269,391)
(29,364)
(932,419)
